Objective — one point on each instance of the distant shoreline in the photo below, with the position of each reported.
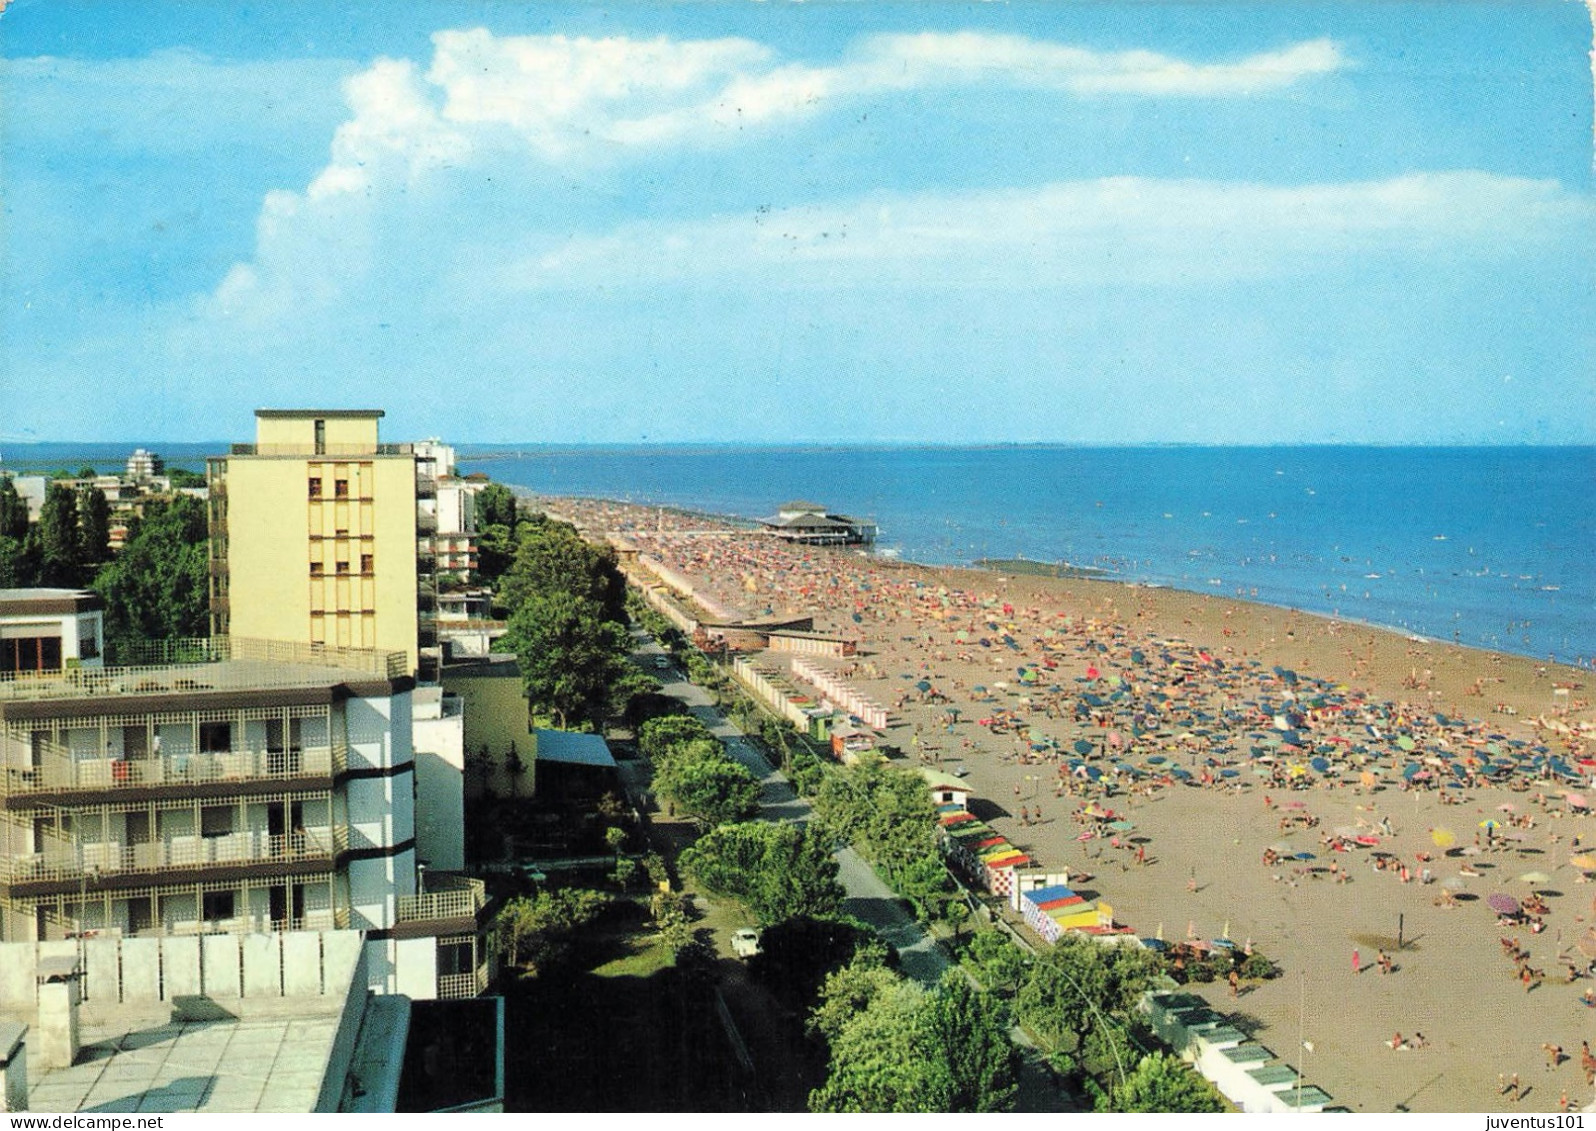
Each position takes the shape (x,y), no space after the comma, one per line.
(1049,571)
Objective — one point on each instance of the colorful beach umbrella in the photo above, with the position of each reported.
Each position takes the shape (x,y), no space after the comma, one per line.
(1443,838)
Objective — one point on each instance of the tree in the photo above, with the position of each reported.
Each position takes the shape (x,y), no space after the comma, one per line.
(657,737)
(895,1047)
(180,477)
(13,511)
(551,557)
(797,954)
(778,871)
(886,813)
(515,767)
(1081,996)
(496,506)
(534,931)
(94,527)
(998,964)
(570,657)
(1161,1083)
(712,788)
(58,529)
(155,589)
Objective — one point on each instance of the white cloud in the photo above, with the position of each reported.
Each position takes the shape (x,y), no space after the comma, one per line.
(1115,230)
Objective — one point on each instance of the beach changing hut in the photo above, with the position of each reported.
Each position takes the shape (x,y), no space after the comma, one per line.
(982,854)
(1051,911)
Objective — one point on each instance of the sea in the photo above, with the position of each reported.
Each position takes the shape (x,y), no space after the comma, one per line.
(1490,547)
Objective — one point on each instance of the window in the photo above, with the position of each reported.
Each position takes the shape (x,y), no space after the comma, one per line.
(341,488)
(343,567)
(321,437)
(216,820)
(315,569)
(368,563)
(315,487)
(217,905)
(215,738)
(89,648)
(30,654)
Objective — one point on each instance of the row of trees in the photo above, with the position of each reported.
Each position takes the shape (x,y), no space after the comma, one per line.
(64,548)
(885,812)
(154,589)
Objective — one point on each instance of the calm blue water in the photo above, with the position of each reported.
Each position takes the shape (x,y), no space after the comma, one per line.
(1491,547)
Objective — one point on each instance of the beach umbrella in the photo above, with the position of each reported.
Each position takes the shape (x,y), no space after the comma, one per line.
(1443,838)
(1405,742)
(1083,746)
(1584,861)
(1587,943)
(923,685)
(1576,800)
(1229,773)
(1491,825)
(1121,826)
(1319,764)
(1535,878)
(1502,903)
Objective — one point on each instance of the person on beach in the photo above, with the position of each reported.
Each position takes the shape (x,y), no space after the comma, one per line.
(1357,962)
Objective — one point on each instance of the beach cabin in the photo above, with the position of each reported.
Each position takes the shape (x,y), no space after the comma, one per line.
(811,524)
(945,788)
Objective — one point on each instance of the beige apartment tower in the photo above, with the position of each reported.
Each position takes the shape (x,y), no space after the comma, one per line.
(315,536)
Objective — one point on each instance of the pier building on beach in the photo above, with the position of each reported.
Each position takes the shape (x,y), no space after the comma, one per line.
(813,525)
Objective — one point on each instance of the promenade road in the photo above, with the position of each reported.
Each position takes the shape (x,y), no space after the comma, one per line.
(868,898)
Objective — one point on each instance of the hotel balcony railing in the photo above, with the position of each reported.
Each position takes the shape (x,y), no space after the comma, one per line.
(426,522)
(94,861)
(63,772)
(216,663)
(426,487)
(473,984)
(332,451)
(448,897)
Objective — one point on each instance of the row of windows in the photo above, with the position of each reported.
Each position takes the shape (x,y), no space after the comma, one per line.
(368,566)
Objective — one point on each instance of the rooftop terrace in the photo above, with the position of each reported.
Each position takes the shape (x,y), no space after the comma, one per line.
(218,663)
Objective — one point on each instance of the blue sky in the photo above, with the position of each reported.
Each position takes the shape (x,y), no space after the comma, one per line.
(1095,222)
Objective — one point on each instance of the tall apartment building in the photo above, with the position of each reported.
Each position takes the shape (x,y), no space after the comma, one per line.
(228,786)
(316,536)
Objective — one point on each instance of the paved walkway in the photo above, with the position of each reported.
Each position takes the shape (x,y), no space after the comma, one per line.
(867,897)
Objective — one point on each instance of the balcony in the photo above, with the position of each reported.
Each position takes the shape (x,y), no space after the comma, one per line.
(59,772)
(92,864)
(426,523)
(324,451)
(426,487)
(456,986)
(447,897)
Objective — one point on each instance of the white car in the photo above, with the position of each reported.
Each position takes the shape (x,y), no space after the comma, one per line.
(745,942)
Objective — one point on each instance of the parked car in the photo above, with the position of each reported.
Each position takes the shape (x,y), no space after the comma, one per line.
(745,942)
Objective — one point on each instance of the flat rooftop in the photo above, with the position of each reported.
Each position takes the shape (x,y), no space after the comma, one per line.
(143,1061)
(215,664)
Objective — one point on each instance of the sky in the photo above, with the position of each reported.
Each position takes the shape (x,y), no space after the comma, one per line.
(1098,222)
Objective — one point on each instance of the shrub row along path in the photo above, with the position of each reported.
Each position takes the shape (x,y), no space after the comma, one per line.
(868,897)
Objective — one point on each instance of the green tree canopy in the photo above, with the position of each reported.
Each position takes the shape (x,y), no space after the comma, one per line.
(885,812)
(1162,1083)
(551,557)
(155,589)
(1080,989)
(58,529)
(714,789)
(13,511)
(496,507)
(570,657)
(778,871)
(94,527)
(534,931)
(907,1050)
(657,737)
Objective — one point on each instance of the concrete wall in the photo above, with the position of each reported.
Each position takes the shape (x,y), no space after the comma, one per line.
(440,790)
(225,969)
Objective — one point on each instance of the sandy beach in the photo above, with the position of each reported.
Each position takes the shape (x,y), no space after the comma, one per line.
(1394,783)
